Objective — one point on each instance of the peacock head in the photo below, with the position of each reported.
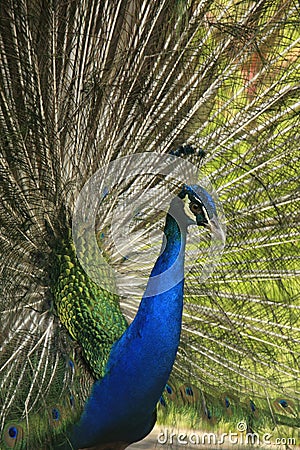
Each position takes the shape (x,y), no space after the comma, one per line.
(202,209)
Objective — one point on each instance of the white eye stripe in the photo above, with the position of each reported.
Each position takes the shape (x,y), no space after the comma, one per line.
(206,214)
(201,206)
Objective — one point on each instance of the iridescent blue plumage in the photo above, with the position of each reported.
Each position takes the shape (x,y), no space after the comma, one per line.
(122,405)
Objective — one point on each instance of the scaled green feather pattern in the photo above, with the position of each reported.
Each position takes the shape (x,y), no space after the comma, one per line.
(91,314)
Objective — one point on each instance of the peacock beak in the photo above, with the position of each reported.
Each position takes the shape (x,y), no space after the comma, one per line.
(215,228)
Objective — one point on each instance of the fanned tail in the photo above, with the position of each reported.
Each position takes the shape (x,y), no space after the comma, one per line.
(83,83)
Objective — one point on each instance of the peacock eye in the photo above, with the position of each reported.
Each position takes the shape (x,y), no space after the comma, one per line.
(196,208)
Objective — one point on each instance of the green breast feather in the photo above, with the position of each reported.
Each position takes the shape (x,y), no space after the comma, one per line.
(91,314)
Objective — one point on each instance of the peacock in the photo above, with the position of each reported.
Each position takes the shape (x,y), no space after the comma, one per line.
(149,230)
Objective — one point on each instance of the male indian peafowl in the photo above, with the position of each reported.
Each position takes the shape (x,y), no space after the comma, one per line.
(108,109)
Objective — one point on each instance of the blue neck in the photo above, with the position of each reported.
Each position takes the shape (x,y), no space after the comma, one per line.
(122,405)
